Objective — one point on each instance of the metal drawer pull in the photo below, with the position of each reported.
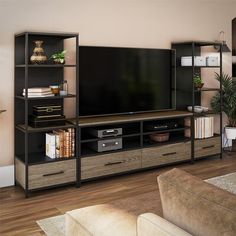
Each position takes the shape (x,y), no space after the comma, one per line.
(55,173)
(169,154)
(210,146)
(113,163)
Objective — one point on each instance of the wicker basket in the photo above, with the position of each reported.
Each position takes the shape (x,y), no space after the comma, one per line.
(163,137)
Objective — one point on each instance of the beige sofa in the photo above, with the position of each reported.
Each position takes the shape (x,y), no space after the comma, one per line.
(190,207)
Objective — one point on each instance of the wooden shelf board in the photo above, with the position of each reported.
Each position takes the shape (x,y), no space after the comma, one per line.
(94,139)
(44,65)
(174,139)
(206,90)
(165,131)
(105,120)
(48,34)
(215,135)
(22,128)
(206,113)
(41,158)
(197,43)
(45,98)
(199,66)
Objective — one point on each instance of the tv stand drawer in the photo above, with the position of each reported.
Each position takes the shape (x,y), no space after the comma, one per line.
(166,154)
(108,164)
(45,175)
(207,147)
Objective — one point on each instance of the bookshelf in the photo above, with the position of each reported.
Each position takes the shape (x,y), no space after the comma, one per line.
(187,95)
(33,169)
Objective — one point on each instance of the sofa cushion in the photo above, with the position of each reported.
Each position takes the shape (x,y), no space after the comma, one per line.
(196,206)
(154,225)
(100,220)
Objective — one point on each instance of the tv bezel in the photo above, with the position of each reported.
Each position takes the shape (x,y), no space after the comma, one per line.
(135,112)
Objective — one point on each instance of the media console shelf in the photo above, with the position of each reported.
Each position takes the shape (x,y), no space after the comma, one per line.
(138,151)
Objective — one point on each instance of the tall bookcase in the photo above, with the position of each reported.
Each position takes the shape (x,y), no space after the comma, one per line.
(188,95)
(30,158)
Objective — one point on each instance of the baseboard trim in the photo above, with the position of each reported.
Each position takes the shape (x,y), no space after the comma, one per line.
(6,176)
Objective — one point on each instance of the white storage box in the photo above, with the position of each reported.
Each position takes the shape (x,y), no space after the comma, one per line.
(212,61)
(198,61)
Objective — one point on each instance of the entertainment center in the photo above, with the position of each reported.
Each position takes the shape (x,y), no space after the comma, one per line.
(117,130)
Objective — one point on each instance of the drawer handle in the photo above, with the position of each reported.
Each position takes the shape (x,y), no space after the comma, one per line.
(210,146)
(113,163)
(55,173)
(169,153)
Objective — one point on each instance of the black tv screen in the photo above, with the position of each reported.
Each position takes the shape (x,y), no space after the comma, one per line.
(125,80)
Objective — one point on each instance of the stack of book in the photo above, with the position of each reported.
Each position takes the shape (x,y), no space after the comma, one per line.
(38,92)
(60,143)
(204,127)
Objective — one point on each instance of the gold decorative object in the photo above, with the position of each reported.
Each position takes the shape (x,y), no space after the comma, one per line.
(38,56)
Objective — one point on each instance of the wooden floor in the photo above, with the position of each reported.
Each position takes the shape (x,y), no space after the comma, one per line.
(18,215)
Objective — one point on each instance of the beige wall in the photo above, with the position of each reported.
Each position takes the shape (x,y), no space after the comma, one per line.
(135,23)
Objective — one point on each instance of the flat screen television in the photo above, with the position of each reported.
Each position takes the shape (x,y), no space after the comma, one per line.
(116,80)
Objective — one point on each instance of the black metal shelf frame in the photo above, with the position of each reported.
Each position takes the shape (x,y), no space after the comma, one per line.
(193,48)
(24,72)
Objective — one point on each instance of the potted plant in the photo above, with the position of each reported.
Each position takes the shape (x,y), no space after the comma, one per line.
(197,81)
(59,58)
(228,105)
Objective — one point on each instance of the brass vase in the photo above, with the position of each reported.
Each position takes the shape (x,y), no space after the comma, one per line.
(38,56)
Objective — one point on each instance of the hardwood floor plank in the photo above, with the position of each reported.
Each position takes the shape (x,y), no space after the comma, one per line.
(18,215)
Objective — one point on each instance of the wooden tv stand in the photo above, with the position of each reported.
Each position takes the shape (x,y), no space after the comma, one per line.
(138,151)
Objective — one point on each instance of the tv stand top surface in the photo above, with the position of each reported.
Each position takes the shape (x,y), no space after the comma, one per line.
(104,120)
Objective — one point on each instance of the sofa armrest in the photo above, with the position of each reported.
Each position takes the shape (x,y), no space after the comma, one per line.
(151,224)
(100,220)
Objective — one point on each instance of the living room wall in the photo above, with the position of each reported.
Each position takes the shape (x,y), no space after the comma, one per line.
(129,23)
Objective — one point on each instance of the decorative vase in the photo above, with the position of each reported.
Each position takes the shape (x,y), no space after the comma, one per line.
(38,56)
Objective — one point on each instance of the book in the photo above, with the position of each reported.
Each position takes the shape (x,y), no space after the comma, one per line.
(51,145)
(38,90)
(61,138)
(57,146)
(38,93)
(60,143)
(204,127)
(36,96)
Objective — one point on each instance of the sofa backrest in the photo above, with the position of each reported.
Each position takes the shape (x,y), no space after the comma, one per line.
(196,206)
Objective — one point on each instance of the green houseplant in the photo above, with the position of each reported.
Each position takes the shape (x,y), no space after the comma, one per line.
(59,58)
(228,105)
(197,81)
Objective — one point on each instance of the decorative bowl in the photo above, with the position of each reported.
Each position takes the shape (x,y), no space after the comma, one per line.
(205,109)
(197,109)
(163,137)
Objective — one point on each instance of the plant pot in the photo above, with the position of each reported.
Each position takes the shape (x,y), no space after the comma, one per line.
(230,132)
(59,61)
(198,86)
